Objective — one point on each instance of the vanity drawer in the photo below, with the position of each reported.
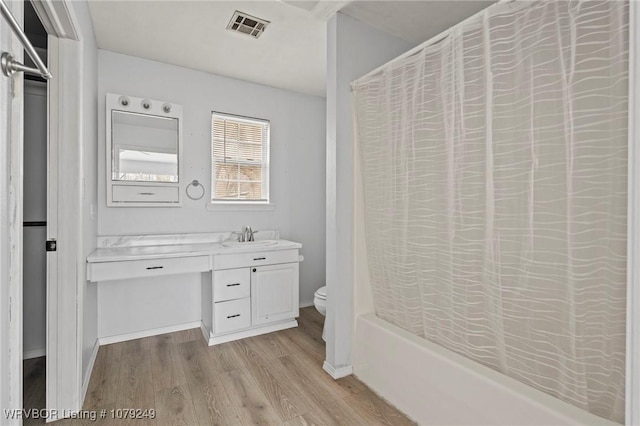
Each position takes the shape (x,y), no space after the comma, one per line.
(232,315)
(145,194)
(228,261)
(231,284)
(105,271)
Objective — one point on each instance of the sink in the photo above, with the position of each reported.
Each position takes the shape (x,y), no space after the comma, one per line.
(259,243)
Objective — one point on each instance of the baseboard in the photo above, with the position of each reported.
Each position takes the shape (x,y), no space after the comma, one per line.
(306,304)
(205,331)
(107,340)
(35,353)
(87,375)
(215,340)
(337,372)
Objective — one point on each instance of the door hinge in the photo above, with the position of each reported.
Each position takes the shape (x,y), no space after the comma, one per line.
(51,245)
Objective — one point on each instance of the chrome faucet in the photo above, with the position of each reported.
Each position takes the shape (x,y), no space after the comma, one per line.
(247,234)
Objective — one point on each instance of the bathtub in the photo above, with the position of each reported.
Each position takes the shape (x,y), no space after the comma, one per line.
(435,386)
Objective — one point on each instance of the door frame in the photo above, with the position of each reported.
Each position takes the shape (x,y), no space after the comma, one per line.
(65,284)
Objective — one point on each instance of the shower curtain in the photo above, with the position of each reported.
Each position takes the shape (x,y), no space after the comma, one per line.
(494,174)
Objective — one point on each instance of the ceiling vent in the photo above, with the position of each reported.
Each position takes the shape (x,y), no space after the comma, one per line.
(247,24)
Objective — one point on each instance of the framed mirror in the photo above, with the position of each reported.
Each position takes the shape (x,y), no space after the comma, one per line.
(144,147)
(143,151)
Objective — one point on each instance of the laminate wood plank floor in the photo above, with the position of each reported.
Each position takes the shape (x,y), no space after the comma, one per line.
(33,394)
(273,379)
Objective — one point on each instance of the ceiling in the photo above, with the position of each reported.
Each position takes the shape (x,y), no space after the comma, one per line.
(414,21)
(290,54)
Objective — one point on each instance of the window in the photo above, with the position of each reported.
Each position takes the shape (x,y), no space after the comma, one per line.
(240,159)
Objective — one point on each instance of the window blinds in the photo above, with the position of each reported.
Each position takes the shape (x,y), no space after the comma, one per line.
(240,158)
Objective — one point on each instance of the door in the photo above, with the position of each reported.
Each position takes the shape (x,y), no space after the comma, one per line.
(274,293)
(52,328)
(11,226)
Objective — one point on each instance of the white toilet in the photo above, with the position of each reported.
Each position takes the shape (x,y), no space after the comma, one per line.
(320,302)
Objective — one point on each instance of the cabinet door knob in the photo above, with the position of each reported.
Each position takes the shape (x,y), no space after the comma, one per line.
(254,269)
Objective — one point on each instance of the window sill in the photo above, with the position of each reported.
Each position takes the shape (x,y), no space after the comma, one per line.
(224,206)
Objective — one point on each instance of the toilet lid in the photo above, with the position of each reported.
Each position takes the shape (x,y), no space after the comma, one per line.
(322,292)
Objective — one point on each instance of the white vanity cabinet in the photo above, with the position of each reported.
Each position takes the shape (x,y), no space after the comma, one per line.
(251,294)
(150,285)
(274,293)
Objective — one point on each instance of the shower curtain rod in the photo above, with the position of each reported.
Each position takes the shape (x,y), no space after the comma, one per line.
(10,65)
(433,40)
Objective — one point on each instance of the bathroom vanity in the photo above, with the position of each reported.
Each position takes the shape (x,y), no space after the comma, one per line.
(247,288)
(251,293)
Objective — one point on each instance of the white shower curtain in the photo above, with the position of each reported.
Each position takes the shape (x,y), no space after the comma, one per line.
(494,166)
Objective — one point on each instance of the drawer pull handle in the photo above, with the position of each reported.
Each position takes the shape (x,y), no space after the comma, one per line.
(146,193)
(233,316)
(233,285)
(155,267)
(259,258)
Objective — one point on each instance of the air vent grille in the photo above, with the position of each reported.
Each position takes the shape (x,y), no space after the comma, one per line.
(247,24)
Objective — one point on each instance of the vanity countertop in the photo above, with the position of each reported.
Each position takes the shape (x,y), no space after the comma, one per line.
(183,250)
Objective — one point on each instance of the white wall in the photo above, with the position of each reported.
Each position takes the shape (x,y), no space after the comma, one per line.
(88,155)
(297,157)
(353,49)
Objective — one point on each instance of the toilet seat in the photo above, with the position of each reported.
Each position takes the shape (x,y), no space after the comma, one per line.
(320,302)
(321,293)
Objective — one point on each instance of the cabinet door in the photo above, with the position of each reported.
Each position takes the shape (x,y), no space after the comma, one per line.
(274,293)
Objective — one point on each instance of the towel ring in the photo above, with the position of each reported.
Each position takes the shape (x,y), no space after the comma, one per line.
(195,184)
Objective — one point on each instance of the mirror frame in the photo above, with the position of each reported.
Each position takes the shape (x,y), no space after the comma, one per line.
(122,193)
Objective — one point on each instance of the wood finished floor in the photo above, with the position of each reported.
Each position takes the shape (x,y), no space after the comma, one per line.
(273,379)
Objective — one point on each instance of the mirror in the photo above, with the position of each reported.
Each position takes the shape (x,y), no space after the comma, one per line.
(144,147)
